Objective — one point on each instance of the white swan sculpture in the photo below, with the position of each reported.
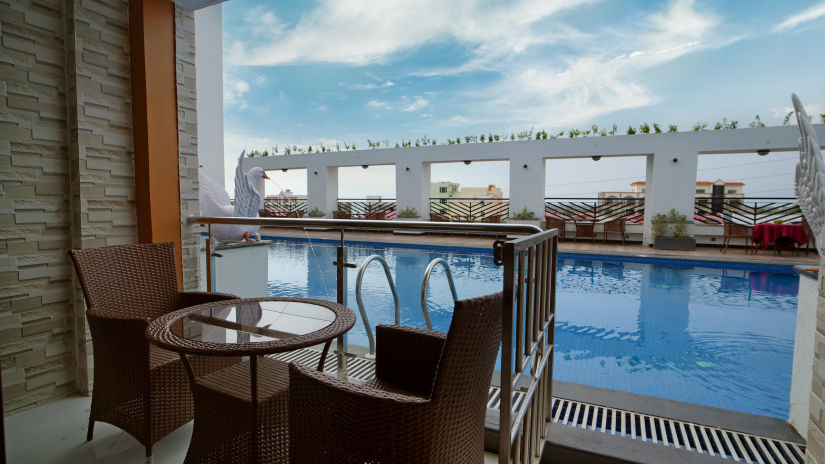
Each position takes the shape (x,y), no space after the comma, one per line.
(214,201)
(810,175)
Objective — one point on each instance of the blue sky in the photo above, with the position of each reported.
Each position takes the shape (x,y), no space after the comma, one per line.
(344,71)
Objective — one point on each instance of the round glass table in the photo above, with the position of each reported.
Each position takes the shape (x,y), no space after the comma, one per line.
(241,410)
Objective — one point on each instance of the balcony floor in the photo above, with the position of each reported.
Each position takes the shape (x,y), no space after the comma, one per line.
(56,433)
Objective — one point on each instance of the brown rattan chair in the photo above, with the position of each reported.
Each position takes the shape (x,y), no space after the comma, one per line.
(427,402)
(434,217)
(341,215)
(733,230)
(142,389)
(555,223)
(492,219)
(616,225)
(584,229)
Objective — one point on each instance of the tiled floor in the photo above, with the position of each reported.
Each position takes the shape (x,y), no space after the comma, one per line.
(711,253)
(56,433)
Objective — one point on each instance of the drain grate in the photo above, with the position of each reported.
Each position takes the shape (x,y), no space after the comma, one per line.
(702,439)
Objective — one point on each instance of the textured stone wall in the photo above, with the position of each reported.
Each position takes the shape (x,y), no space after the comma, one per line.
(815,453)
(67,178)
(100,142)
(187,142)
(36,327)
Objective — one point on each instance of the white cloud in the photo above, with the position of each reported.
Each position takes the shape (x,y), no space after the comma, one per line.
(360,32)
(233,92)
(417,103)
(813,13)
(377,104)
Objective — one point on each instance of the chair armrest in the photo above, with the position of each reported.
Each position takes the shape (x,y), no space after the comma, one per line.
(120,350)
(188,299)
(408,357)
(335,421)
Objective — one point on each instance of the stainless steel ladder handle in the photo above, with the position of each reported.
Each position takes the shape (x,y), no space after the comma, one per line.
(430,267)
(359,281)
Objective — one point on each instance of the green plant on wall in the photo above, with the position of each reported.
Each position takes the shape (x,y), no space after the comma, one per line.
(315,212)
(679,222)
(408,213)
(524,214)
(659,225)
(662,223)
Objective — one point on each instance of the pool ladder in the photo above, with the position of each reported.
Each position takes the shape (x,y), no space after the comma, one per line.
(360,280)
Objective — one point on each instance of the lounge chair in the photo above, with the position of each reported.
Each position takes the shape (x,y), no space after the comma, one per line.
(427,402)
(732,230)
(584,229)
(439,217)
(616,225)
(555,223)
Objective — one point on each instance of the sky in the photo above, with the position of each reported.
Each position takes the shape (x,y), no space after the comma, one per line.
(336,72)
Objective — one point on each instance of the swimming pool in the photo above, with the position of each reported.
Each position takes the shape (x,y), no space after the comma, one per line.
(717,334)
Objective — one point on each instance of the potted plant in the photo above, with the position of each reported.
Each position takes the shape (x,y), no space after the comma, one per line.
(524,216)
(670,232)
(407,214)
(315,212)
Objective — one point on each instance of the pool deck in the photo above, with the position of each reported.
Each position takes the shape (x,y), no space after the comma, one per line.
(702,253)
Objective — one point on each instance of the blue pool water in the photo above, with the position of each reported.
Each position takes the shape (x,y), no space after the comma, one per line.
(696,332)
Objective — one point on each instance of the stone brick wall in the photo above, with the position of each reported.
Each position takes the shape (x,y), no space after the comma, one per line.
(67,178)
(100,143)
(815,453)
(36,298)
(187,143)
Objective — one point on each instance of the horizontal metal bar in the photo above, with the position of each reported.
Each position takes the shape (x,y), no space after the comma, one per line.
(356,224)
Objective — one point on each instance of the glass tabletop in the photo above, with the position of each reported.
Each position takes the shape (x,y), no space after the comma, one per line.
(256,322)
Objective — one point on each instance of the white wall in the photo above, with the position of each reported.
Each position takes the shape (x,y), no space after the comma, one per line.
(209,87)
(803,354)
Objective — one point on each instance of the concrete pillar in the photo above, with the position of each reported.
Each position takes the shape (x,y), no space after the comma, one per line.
(322,188)
(670,183)
(412,187)
(209,85)
(527,179)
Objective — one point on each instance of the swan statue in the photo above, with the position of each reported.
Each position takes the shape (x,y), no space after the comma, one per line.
(214,201)
(809,186)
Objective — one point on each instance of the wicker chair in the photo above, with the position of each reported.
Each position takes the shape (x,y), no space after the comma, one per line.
(435,217)
(492,219)
(733,230)
(555,223)
(142,389)
(584,229)
(341,215)
(616,225)
(427,402)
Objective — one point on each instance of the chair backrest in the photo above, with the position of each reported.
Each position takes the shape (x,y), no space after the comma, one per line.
(554,223)
(616,225)
(462,380)
(133,280)
(492,219)
(739,230)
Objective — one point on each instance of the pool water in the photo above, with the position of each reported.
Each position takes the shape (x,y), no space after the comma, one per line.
(696,332)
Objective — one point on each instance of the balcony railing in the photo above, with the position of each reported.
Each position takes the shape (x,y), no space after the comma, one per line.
(284,207)
(367,208)
(747,211)
(631,210)
(470,209)
(528,317)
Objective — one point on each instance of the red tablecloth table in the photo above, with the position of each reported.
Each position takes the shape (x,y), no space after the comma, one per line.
(765,234)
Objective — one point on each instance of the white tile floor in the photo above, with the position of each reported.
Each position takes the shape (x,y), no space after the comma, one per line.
(56,433)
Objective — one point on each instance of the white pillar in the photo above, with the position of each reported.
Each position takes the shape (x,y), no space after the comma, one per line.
(527,186)
(209,88)
(322,188)
(670,184)
(412,187)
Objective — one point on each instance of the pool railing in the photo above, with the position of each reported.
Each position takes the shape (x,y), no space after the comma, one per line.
(528,315)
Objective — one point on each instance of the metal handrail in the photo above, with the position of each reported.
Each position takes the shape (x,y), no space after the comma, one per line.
(355,224)
(430,267)
(358,283)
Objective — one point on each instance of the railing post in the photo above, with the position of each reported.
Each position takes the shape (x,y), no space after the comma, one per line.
(341,265)
(755,211)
